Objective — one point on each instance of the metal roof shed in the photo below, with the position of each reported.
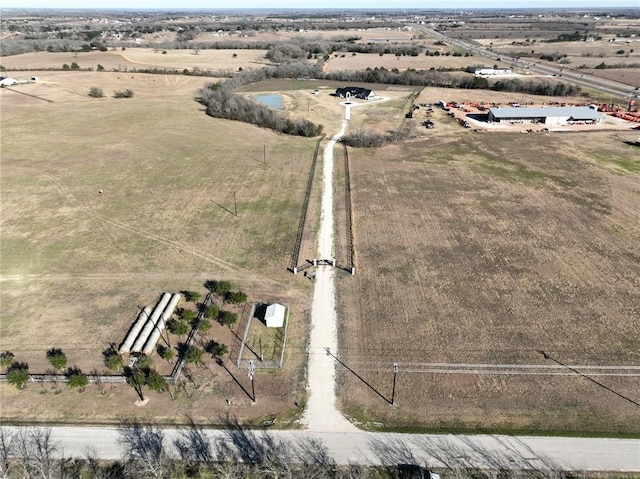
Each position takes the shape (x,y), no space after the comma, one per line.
(274,316)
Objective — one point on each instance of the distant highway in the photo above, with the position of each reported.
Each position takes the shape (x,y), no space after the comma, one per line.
(607,88)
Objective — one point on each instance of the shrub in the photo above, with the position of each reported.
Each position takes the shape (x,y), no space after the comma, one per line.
(123,94)
(96,92)
(6,358)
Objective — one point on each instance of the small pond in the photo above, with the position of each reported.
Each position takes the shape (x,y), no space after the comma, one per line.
(272,100)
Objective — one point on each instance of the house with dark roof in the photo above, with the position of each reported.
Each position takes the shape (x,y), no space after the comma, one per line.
(355,92)
(565,115)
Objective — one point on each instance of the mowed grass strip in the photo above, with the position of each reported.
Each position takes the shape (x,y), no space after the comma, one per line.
(165,220)
(486,250)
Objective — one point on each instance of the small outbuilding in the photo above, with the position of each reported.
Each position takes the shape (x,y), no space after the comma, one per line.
(274,315)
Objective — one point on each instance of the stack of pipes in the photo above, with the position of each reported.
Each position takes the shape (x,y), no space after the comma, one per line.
(151,323)
(159,327)
(125,348)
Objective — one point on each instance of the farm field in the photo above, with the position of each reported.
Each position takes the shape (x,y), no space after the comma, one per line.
(487,249)
(362,61)
(78,264)
(140,58)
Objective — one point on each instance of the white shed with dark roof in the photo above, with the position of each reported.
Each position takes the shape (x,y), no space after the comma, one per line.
(551,115)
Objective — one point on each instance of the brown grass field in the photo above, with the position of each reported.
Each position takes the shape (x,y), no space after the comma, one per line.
(485,248)
(139,58)
(77,265)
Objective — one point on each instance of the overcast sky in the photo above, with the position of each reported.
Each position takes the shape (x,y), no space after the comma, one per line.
(297,4)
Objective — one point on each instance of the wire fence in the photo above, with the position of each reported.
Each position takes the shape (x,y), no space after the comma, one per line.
(305,207)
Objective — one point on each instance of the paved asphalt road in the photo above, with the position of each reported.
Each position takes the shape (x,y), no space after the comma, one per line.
(543,453)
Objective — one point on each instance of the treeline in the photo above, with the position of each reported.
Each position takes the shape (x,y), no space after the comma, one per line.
(432,77)
(221,101)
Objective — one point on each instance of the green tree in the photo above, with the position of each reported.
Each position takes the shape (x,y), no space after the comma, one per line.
(179,328)
(113,360)
(212,312)
(192,296)
(75,66)
(66,66)
(76,378)
(156,381)
(18,374)
(100,68)
(204,325)
(228,318)
(6,359)
(194,355)
(187,315)
(144,362)
(57,358)
(217,350)
(165,353)
(236,297)
(222,288)
(135,378)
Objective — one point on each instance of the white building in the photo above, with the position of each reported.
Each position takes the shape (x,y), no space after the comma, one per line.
(566,115)
(7,81)
(274,316)
(489,72)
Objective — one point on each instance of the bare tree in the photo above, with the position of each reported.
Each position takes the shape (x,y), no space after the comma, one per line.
(145,454)
(34,453)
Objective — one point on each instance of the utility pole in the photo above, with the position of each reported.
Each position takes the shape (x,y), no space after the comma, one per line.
(393,390)
(235,205)
(252,370)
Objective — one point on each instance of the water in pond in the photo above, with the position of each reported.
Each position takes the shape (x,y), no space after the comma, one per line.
(272,100)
